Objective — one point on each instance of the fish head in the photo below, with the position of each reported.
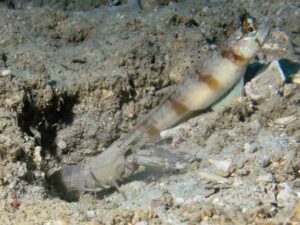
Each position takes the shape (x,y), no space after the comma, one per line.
(250,38)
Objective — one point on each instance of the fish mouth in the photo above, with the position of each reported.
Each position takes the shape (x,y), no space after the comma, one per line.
(263,33)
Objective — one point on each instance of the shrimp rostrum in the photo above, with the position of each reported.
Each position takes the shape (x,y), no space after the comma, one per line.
(197,92)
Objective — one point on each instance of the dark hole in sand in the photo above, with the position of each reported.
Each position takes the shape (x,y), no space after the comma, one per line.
(289,68)
(44,123)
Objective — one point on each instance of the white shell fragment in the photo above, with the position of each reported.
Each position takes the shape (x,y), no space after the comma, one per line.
(285,194)
(5,72)
(213,177)
(296,78)
(61,144)
(285,120)
(279,41)
(90,214)
(58,222)
(266,178)
(268,82)
(250,148)
(221,165)
(37,154)
(143,222)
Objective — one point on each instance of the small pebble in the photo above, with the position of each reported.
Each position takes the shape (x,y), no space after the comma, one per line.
(58,222)
(90,214)
(265,161)
(285,120)
(216,201)
(61,144)
(250,148)
(130,109)
(116,3)
(5,72)
(296,78)
(20,169)
(289,89)
(37,154)
(269,82)
(237,182)
(12,185)
(268,178)
(198,198)
(244,172)
(179,201)
(143,222)
(15,203)
(162,184)
(208,193)
(285,194)
(222,165)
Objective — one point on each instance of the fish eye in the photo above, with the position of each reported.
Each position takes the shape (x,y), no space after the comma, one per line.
(249,26)
(250,29)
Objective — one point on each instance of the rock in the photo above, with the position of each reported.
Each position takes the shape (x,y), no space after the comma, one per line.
(58,222)
(61,144)
(222,166)
(107,94)
(237,182)
(143,222)
(116,3)
(285,194)
(90,214)
(179,201)
(285,120)
(295,217)
(37,154)
(213,177)
(167,199)
(267,83)
(130,110)
(266,178)
(250,148)
(265,161)
(218,202)
(279,42)
(209,192)
(290,89)
(134,186)
(243,172)
(267,141)
(20,169)
(5,72)
(296,78)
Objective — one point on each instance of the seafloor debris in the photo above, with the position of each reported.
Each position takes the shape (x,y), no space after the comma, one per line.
(266,83)
(295,218)
(15,203)
(223,166)
(5,72)
(213,177)
(296,78)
